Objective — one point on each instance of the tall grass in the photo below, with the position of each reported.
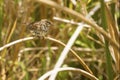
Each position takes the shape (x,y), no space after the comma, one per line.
(83,43)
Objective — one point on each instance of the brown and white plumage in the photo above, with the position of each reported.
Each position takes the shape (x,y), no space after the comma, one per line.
(39,28)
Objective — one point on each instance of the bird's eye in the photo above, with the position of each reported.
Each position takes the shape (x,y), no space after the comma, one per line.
(49,23)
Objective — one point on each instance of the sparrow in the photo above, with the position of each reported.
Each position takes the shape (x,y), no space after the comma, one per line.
(39,28)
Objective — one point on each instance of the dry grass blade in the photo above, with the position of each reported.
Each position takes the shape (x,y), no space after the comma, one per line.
(66,50)
(33,49)
(94,50)
(88,75)
(9,35)
(74,54)
(81,17)
(15,42)
(51,39)
(12,30)
(114,33)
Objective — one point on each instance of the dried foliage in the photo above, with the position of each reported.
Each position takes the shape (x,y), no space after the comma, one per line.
(82,43)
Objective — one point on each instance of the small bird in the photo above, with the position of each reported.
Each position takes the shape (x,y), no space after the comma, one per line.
(39,28)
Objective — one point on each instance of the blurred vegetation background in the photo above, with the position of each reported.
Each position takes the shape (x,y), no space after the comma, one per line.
(40,56)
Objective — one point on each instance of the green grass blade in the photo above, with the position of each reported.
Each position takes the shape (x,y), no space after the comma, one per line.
(108,56)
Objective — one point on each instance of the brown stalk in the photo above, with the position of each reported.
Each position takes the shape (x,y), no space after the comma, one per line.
(81,17)
(114,33)
(51,39)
